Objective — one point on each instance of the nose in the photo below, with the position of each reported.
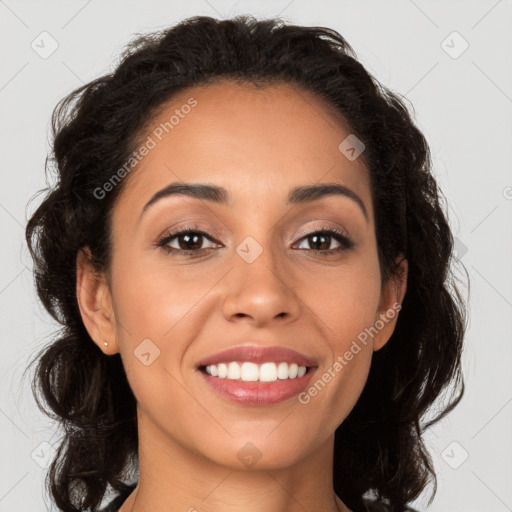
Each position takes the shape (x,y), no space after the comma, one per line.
(262,291)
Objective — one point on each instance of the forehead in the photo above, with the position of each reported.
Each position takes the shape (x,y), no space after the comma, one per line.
(253,141)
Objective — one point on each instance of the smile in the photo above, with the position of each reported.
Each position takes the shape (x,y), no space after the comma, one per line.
(257,392)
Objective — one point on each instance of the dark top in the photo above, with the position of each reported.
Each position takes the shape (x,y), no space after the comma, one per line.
(116,503)
(377,506)
(372,506)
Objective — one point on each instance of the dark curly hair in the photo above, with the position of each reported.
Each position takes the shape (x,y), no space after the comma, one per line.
(379,452)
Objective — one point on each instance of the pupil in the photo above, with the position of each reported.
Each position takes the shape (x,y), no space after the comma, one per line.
(316,238)
(195,239)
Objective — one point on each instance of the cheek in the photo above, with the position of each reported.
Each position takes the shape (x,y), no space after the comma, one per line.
(160,310)
(344,299)
(151,300)
(346,305)
(338,383)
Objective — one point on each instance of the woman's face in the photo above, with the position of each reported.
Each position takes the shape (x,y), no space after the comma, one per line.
(254,280)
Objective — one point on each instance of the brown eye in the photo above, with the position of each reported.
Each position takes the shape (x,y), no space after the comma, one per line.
(321,241)
(189,240)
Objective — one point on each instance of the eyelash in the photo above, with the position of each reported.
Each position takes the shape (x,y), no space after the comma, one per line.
(341,237)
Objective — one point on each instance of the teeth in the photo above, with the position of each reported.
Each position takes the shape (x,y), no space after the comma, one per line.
(250,372)
(223,370)
(268,372)
(233,371)
(282,371)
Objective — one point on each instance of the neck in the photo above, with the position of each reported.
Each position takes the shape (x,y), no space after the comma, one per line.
(172,477)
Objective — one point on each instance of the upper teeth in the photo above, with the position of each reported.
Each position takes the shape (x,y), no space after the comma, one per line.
(247,371)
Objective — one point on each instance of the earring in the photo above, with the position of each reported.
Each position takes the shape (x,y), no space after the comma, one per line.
(105,343)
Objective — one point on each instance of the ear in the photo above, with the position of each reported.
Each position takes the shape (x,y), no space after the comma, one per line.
(95,303)
(392,295)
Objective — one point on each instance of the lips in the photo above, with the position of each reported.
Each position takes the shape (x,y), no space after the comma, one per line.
(255,354)
(257,393)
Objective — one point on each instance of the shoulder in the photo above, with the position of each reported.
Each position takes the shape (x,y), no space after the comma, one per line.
(379,506)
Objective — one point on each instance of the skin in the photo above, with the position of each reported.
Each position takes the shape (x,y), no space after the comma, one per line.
(258,144)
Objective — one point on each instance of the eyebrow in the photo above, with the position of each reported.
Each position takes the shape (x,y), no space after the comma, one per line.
(220,195)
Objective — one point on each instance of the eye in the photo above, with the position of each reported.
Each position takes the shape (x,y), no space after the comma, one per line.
(320,241)
(187,240)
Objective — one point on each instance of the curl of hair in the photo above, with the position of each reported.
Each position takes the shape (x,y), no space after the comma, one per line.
(378,447)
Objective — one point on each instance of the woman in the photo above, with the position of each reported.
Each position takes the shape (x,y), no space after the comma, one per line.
(249,257)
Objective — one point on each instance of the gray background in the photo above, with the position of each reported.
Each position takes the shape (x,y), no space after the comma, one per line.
(463,103)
